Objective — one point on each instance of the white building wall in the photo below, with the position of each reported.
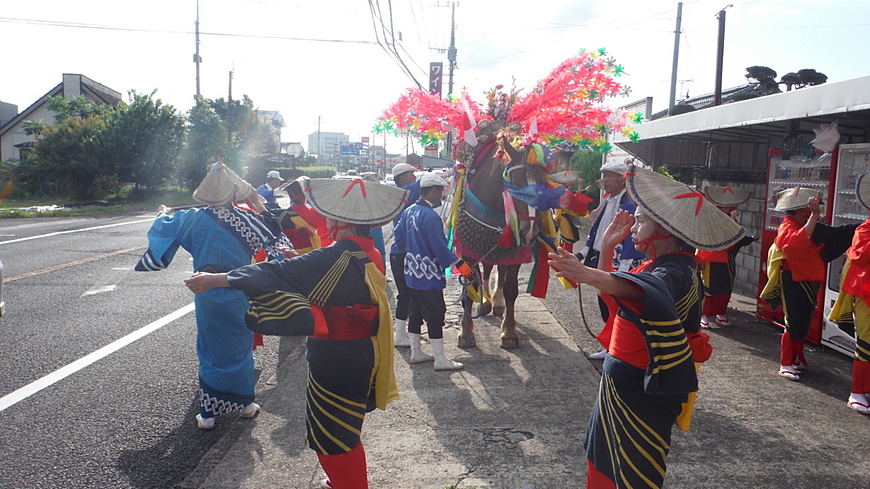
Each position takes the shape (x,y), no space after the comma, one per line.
(327,145)
(16,134)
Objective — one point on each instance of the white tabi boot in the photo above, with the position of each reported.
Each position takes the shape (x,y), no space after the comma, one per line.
(417,355)
(400,339)
(441,361)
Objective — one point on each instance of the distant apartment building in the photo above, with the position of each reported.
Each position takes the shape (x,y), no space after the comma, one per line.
(327,145)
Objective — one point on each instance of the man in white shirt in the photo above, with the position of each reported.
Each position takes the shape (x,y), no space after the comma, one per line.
(274,182)
(615,198)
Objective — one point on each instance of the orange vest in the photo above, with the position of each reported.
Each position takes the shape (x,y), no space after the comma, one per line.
(857,279)
(801,253)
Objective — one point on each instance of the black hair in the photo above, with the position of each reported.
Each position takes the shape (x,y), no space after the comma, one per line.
(426,191)
(361,230)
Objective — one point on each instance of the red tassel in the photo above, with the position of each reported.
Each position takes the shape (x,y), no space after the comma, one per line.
(507,238)
(575,203)
(540,279)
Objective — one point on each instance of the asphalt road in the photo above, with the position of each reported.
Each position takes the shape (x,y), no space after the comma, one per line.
(82,404)
(126,419)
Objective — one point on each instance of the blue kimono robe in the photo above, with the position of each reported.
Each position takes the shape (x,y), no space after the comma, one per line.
(224,344)
(420,233)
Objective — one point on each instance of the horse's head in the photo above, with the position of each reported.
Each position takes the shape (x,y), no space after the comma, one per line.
(520,173)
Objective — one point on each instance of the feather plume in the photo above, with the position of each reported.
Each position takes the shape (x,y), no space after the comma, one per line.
(566,108)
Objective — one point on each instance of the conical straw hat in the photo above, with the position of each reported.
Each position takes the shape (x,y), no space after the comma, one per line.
(356,201)
(218,187)
(726,196)
(795,198)
(566,177)
(862,191)
(682,210)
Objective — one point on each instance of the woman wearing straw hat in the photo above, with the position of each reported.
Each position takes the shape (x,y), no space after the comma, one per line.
(646,381)
(219,238)
(303,226)
(718,267)
(853,303)
(796,268)
(350,353)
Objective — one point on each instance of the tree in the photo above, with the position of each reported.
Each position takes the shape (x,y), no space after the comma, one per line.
(588,165)
(803,78)
(251,138)
(145,138)
(206,143)
(69,156)
(764,78)
(231,131)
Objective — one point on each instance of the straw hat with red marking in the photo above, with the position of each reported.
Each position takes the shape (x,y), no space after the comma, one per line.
(795,198)
(356,201)
(726,196)
(682,210)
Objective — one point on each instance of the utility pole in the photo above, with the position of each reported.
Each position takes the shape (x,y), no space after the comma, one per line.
(720,55)
(451,60)
(230,110)
(672,99)
(196,58)
(319,147)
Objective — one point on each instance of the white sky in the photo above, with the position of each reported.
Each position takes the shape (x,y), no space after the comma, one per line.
(283,55)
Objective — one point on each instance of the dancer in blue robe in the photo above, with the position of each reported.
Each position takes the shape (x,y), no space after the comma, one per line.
(220,237)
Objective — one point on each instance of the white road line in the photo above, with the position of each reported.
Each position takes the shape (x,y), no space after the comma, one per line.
(74,231)
(63,372)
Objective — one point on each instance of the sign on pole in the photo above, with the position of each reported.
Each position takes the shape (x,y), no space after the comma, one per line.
(436,72)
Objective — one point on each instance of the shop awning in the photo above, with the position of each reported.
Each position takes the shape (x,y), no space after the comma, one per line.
(764,120)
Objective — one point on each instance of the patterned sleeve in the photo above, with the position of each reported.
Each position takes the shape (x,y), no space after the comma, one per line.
(318,275)
(438,241)
(163,241)
(671,369)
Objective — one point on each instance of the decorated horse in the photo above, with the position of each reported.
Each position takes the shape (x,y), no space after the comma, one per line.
(500,215)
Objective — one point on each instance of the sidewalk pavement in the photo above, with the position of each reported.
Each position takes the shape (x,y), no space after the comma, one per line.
(508,420)
(516,419)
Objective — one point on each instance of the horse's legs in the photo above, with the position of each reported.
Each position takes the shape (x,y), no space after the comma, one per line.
(509,283)
(498,296)
(466,337)
(486,307)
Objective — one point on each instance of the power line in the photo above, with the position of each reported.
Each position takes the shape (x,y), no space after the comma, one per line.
(75,25)
(388,44)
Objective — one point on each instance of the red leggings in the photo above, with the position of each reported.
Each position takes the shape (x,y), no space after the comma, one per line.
(346,471)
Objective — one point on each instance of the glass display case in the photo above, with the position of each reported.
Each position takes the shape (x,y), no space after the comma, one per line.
(816,171)
(853,161)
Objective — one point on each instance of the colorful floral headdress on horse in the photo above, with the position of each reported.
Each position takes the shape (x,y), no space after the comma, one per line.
(565,109)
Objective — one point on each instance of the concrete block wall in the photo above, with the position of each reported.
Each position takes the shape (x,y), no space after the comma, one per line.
(751,217)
